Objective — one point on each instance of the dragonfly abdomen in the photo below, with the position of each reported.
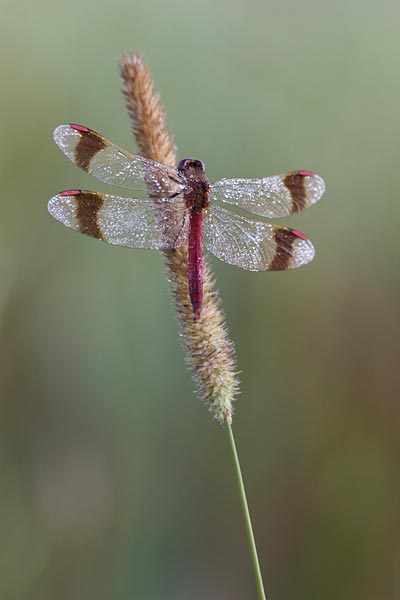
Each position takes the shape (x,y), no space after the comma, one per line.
(196,198)
(195,260)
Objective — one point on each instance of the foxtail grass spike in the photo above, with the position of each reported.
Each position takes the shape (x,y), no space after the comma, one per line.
(209,352)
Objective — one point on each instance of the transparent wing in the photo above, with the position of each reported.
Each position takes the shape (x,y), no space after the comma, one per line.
(253,245)
(277,196)
(136,223)
(101,158)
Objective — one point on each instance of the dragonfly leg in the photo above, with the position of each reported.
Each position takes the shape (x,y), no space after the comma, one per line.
(174,195)
(175,180)
(180,228)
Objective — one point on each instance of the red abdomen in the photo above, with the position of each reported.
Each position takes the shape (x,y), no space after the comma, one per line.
(195,260)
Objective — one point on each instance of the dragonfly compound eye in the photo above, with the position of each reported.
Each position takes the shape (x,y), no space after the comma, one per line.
(191,163)
(182,164)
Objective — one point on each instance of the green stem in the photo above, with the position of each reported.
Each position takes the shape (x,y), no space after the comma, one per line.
(246,516)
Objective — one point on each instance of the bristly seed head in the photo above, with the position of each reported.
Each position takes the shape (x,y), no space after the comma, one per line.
(209,352)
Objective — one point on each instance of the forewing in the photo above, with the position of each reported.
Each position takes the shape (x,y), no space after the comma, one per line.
(253,245)
(277,196)
(135,223)
(101,158)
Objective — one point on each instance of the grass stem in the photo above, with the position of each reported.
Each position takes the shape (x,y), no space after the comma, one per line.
(246,515)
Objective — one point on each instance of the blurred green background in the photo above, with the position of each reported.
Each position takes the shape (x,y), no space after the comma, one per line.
(115,481)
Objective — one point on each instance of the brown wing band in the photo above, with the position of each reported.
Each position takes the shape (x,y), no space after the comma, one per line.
(88,205)
(89,145)
(295,184)
(284,239)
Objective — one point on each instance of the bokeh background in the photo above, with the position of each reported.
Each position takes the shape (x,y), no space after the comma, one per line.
(115,483)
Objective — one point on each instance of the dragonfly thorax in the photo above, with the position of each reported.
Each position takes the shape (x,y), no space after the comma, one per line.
(196,185)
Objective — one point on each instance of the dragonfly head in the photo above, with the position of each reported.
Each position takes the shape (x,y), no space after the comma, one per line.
(191,166)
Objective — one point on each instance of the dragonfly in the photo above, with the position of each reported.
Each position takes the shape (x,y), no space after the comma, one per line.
(173,207)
